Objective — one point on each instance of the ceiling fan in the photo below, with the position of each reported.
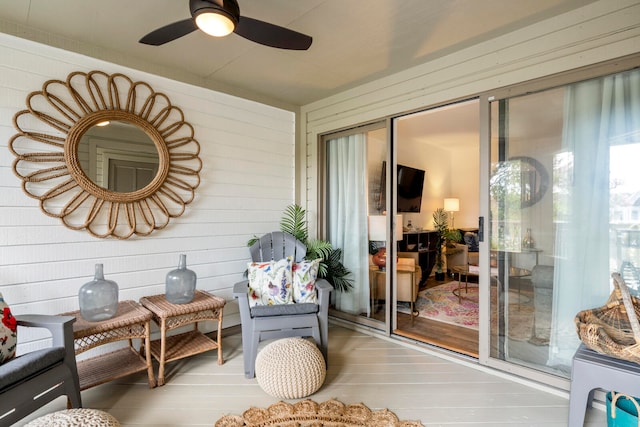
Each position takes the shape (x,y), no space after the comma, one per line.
(222,17)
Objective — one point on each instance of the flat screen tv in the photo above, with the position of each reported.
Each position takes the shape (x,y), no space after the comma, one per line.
(410,182)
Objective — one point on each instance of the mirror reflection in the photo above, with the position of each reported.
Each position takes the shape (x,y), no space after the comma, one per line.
(118,156)
(519,182)
(534,180)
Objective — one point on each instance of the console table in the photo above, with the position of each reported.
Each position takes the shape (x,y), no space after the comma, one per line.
(130,322)
(170,316)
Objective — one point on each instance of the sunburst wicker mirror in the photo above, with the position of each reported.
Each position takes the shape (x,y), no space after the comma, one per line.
(61,129)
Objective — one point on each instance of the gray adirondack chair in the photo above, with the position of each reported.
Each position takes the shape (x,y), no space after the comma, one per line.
(34,379)
(262,323)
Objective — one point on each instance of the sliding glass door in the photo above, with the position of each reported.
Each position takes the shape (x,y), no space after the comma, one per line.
(354,182)
(437,152)
(564,213)
(550,167)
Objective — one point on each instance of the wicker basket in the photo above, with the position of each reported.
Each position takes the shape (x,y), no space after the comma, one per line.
(613,329)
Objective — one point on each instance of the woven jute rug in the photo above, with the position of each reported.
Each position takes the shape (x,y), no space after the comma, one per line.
(308,413)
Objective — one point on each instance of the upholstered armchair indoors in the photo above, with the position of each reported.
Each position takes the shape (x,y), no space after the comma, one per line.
(33,379)
(269,312)
(459,255)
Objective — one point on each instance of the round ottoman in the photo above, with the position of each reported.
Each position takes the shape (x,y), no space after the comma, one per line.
(79,417)
(290,368)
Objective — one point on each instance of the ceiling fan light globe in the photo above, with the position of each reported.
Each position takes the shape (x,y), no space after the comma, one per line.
(215,23)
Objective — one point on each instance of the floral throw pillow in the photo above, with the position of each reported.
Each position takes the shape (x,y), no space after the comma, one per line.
(8,333)
(270,282)
(304,281)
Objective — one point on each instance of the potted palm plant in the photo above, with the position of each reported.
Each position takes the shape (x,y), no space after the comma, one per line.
(445,235)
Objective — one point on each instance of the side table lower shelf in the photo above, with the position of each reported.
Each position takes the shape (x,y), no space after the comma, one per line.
(110,366)
(183,345)
(131,321)
(168,316)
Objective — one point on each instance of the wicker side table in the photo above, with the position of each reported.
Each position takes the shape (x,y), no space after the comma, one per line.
(130,322)
(170,316)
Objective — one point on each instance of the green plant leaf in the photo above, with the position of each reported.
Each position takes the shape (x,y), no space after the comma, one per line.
(342,285)
(318,249)
(337,273)
(445,235)
(293,222)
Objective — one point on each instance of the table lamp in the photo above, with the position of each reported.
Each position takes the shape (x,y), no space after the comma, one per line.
(378,233)
(452,205)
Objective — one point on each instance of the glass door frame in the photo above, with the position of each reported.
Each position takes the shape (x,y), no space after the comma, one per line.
(434,198)
(384,123)
(486,99)
(484,344)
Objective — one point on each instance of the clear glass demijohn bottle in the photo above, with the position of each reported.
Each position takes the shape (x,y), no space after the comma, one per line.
(180,284)
(527,241)
(98,298)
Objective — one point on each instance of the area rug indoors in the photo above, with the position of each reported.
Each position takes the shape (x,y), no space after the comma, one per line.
(439,303)
(307,413)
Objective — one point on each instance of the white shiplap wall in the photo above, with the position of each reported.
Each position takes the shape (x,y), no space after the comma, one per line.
(247,179)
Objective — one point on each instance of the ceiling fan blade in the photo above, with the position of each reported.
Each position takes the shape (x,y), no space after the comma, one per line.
(271,34)
(169,32)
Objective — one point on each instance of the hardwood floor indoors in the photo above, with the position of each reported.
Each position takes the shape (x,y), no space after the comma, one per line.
(415,383)
(455,338)
(465,340)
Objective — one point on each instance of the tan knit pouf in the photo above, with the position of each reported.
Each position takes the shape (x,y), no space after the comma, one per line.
(79,417)
(290,368)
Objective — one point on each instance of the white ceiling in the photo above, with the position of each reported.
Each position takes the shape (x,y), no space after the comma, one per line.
(354,41)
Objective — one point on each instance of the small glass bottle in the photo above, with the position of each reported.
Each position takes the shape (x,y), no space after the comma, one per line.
(180,284)
(98,298)
(527,241)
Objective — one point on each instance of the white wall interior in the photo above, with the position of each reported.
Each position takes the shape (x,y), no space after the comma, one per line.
(445,143)
(247,179)
(435,161)
(465,183)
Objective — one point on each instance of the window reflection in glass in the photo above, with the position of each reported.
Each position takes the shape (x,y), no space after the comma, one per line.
(118,156)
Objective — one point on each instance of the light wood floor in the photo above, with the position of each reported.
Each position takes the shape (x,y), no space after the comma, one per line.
(450,337)
(379,372)
(454,338)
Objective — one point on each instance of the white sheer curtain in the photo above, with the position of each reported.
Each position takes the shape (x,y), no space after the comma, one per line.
(598,113)
(347,217)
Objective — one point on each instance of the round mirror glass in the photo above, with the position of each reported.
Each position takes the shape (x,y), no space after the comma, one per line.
(534,180)
(118,156)
(519,181)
